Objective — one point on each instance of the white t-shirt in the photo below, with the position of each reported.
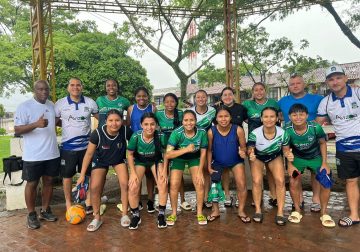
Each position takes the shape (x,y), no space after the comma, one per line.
(39,144)
(344,114)
(75,121)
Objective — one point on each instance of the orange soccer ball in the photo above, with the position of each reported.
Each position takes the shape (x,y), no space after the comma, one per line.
(76,214)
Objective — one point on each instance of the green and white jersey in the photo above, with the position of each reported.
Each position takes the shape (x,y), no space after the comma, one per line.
(144,151)
(204,121)
(180,140)
(306,146)
(254,111)
(167,124)
(104,104)
(267,147)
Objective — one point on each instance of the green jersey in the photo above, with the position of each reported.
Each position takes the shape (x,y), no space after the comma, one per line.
(167,124)
(254,111)
(104,104)
(205,120)
(144,151)
(180,140)
(306,145)
(268,147)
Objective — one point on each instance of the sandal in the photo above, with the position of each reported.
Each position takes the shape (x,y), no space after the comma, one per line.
(327,221)
(89,210)
(211,218)
(302,206)
(228,201)
(94,225)
(201,219)
(258,217)
(102,209)
(295,217)
(170,220)
(186,206)
(125,221)
(280,220)
(120,207)
(245,219)
(207,204)
(347,222)
(315,208)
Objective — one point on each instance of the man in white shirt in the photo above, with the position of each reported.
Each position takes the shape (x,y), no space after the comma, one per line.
(75,112)
(342,108)
(35,121)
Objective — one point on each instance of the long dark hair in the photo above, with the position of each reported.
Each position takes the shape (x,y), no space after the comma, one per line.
(158,154)
(221,108)
(176,111)
(270,108)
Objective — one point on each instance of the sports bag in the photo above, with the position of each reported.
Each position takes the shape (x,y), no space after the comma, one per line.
(12,164)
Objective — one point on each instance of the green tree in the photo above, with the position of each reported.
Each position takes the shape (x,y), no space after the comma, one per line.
(2,111)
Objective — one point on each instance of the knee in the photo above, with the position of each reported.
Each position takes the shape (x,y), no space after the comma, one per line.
(174,186)
(47,181)
(241,187)
(352,181)
(257,182)
(280,182)
(124,187)
(134,191)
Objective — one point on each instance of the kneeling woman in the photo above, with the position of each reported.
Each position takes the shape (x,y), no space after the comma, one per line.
(187,146)
(144,152)
(265,145)
(109,145)
(227,149)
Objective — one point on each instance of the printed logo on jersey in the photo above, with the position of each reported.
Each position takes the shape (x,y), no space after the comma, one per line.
(354,105)
(86,109)
(77,118)
(346,117)
(311,138)
(105,147)
(119,145)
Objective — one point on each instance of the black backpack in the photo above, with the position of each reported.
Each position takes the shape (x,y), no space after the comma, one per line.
(12,164)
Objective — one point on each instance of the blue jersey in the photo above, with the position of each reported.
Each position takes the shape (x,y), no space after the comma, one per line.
(136,115)
(310,101)
(225,149)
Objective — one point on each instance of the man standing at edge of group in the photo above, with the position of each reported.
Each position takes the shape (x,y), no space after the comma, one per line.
(74,111)
(311,102)
(35,121)
(342,108)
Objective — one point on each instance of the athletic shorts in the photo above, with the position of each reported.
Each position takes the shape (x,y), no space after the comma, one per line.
(179,164)
(71,163)
(147,165)
(268,158)
(96,164)
(312,164)
(34,170)
(348,164)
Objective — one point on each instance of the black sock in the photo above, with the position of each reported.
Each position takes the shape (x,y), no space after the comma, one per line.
(135,212)
(162,210)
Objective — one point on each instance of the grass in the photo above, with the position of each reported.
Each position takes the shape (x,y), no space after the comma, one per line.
(4,149)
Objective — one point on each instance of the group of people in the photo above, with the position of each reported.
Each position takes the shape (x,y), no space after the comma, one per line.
(138,140)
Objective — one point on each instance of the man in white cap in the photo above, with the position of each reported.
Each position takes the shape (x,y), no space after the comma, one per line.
(342,108)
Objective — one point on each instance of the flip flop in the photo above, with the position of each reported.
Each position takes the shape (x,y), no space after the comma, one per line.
(295,217)
(327,221)
(186,206)
(94,225)
(280,220)
(315,208)
(348,222)
(258,217)
(211,218)
(245,219)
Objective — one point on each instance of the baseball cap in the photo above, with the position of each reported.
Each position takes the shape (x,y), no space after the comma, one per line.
(334,69)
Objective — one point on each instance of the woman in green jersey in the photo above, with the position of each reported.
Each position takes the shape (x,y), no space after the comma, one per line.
(187,146)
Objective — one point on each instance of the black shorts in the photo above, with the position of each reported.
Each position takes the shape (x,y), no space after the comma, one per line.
(268,158)
(71,163)
(348,164)
(34,170)
(102,165)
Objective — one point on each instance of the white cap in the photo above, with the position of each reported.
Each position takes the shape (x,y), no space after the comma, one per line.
(334,69)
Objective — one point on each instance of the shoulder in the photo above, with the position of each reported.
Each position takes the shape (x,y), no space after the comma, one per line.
(288,125)
(280,130)
(88,100)
(210,108)
(61,101)
(247,103)
(26,105)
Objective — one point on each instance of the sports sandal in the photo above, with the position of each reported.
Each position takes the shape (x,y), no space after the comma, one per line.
(347,222)
(201,219)
(327,221)
(315,208)
(186,206)
(295,217)
(170,220)
(258,217)
(280,220)
(94,225)
(125,221)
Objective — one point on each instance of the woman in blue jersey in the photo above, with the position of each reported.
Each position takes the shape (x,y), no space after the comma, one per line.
(265,146)
(108,147)
(134,114)
(227,149)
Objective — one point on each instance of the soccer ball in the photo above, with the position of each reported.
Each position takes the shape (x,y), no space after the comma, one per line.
(75,214)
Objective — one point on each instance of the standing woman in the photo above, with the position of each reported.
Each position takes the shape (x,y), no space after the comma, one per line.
(109,145)
(144,153)
(169,119)
(205,115)
(112,100)
(238,116)
(265,145)
(134,114)
(227,149)
(254,108)
(187,146)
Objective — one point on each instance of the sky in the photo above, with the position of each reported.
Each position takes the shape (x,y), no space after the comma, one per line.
(315,25)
